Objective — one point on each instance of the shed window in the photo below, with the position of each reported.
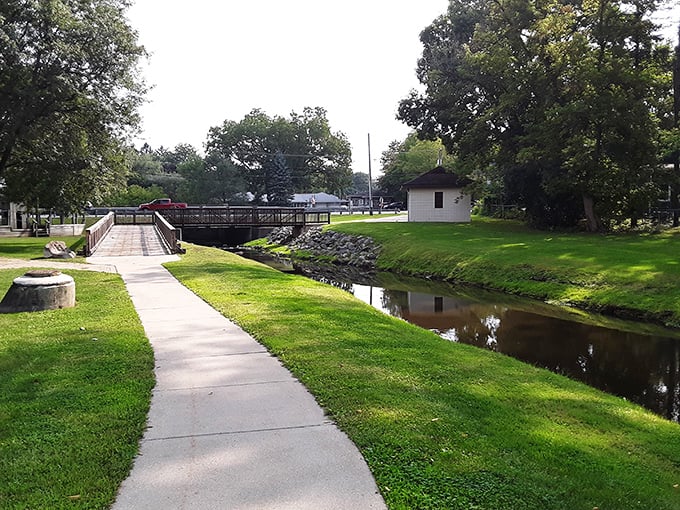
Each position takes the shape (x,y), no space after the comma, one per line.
(438,199)
(438,304)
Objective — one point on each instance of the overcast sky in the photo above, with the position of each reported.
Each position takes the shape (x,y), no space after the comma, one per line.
(213,60)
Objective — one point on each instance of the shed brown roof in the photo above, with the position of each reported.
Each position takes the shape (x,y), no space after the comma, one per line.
(437,178)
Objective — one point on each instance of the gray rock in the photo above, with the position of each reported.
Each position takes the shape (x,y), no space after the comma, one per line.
(353,250)
(57,250)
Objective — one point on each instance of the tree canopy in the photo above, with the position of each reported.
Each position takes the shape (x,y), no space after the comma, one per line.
(564,101)
(316,158)
(359,183)
(403,161)
(69,93)
(211,180)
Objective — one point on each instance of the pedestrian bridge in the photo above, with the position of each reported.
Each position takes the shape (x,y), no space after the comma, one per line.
(160,232)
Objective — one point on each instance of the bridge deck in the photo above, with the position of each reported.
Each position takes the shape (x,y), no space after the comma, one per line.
(131,240)
(150,234)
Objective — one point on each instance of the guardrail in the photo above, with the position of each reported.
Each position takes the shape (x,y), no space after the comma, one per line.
(317,217)
(134,217)
(97,232)
(168,233)
(244,216)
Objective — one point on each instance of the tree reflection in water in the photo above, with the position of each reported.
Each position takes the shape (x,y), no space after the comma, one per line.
(641,367)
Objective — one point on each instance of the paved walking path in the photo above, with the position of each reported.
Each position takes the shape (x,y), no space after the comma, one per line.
(229,427)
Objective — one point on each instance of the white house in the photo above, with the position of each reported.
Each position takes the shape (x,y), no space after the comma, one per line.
(319,200)
(438,196)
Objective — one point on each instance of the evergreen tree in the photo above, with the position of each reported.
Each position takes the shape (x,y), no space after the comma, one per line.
(279,182)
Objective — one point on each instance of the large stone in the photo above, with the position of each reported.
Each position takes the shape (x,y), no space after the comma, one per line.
(39,290)
(57,250)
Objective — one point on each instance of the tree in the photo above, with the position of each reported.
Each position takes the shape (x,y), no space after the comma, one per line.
(68,179)
(403,161)
(359,183)
(675,150)
(556,97)
(144,164)
(326,164)
(159,168)
(213,180)
(69,91)
(279,183)
(171,159)
(318,159)
(134,195)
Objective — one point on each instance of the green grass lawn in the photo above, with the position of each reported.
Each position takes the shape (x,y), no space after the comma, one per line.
(75,386)
(442,425)
(28,248)
(634,275)
(445,425)
(341,218)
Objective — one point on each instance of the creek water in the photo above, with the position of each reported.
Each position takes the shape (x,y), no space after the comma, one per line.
(636,361)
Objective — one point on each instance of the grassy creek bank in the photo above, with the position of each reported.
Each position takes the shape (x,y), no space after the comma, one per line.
(631,276)
(445,425)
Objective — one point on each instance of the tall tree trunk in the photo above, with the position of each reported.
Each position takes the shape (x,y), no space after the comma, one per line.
(674,385)
(592,221)
(675,194)
(675,199)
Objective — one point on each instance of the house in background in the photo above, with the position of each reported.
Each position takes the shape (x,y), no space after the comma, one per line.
(319,200)
(14,219)
(363,203)
(438,196)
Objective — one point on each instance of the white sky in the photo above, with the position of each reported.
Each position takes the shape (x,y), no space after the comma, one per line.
(215,60)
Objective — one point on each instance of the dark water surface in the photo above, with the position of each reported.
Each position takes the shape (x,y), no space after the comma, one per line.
(639,362)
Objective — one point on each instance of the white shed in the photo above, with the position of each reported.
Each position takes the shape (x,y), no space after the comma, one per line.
(438,196)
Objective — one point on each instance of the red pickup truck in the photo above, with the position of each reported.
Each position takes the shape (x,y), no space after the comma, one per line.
(162,203)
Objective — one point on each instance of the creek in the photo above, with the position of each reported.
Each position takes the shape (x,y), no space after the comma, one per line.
(636,361)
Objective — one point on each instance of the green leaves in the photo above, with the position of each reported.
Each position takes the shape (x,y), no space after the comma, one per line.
(69,90)
(571,94)
(318,159)
(408,159)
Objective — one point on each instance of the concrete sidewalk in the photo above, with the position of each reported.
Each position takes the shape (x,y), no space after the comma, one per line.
(229,427)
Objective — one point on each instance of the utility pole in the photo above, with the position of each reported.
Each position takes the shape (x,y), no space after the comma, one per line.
(370,178)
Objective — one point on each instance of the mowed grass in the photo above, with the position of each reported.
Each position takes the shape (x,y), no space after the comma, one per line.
(445,425)
(75,387)
(28,248)
(341,218)
(631,275)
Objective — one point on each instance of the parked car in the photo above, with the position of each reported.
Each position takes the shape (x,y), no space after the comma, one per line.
(395,206)
(162,203)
